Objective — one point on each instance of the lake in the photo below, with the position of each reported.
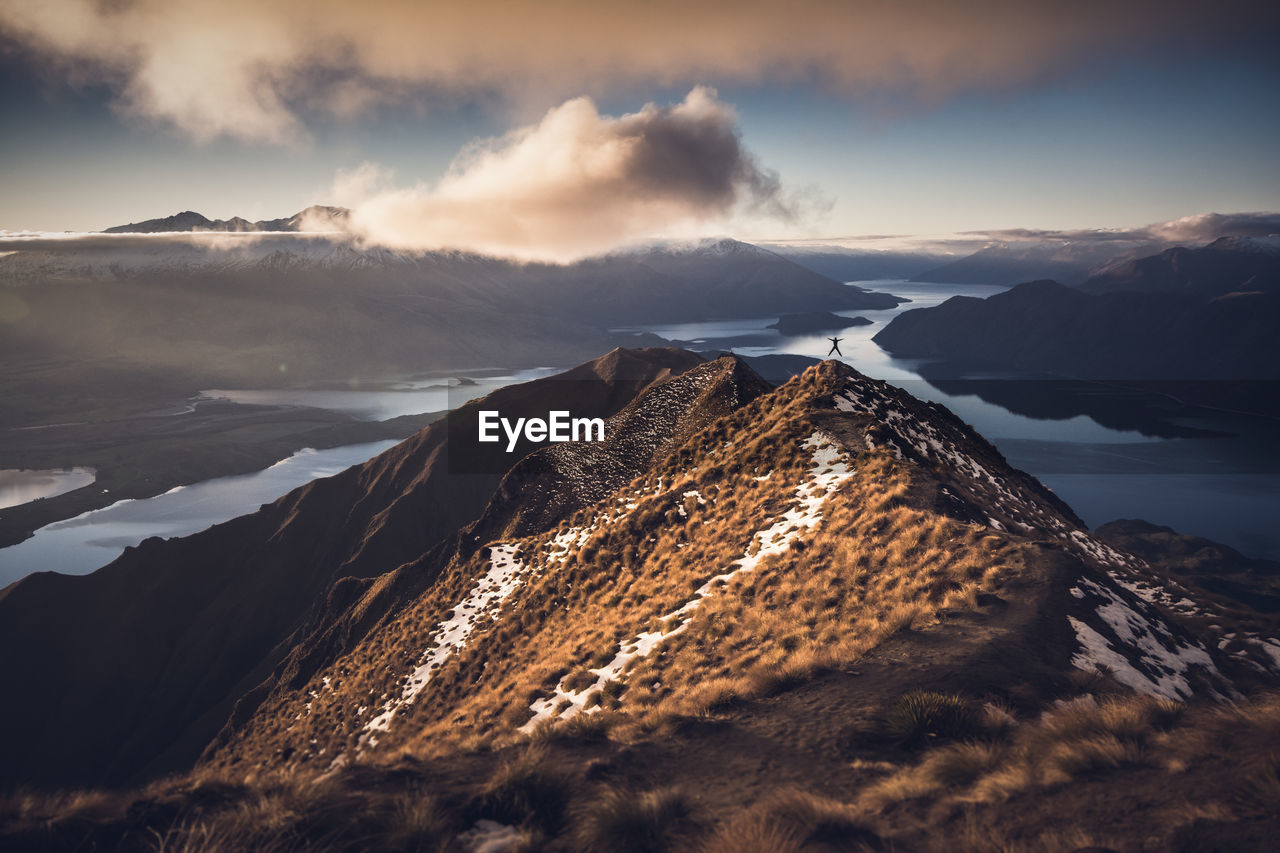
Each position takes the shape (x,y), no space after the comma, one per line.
(1108,452)
(20,485)
(433,392)
(84,543)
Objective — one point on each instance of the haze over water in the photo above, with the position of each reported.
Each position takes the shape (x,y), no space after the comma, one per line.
(1223,487)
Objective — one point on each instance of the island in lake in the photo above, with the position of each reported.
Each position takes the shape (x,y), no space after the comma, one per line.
(815,321)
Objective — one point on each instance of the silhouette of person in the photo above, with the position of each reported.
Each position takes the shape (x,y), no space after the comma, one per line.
(835,347)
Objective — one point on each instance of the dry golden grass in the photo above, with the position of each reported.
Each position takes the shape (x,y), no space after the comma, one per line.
(873,567)
(1086,739)
(527,791)
(981,837)
(198,813)
(555,803)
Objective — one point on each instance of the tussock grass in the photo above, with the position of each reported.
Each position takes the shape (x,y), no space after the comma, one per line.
(619,820)
(224,835)
(1077,740)
(794,821)
(1258,794)
(417,822)
(200,813)
(982,837)
(923,716)
(527,790)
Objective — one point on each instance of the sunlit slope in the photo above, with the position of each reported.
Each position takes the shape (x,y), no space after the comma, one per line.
(138,665)
(796,533)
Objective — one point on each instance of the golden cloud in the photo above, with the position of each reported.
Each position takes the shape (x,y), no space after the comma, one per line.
(575,184)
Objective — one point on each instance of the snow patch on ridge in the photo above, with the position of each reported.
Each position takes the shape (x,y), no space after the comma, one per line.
(1141,653)
(935,440)
(830,469)
(1124,633)
(505,573)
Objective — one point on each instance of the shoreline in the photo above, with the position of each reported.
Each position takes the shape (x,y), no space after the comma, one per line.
(139,457)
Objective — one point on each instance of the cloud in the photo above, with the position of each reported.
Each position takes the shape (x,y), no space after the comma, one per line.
(255,70)
(575,184)
(1189,230)
(1206,227)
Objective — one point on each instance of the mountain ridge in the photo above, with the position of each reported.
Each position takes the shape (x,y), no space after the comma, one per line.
(317,217)
(281,560)
(731,616)
(973,491)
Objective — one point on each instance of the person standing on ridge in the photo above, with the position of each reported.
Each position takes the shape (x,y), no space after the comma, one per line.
(835,347)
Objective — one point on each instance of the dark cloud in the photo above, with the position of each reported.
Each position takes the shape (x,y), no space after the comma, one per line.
(245,67)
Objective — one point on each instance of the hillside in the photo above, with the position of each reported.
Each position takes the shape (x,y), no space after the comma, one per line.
(1227,265)
(155,647)
(1046,327)
(712,631)
(861,473)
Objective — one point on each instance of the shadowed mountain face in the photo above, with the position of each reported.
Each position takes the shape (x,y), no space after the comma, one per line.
(1044,327)
(1195,323)
(1227,265)
(1208,565)
(140,662)
(83,318)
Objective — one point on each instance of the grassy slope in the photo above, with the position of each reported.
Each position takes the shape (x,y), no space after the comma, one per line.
(773,722)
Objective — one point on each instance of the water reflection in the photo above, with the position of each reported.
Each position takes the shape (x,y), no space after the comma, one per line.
(81,544)
(381,401)
(21,485)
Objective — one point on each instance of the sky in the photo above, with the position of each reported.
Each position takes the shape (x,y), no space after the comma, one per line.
(562,128)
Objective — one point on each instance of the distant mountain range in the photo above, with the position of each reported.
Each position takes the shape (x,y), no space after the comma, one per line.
(1225,266)
(1002,262)
(1183,315)
(846,264)
(1012,257)
(229,315)
(315,218)
(1012,262)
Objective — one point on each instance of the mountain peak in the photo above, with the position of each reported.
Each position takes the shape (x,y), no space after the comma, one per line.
(317,217)
(625,567)
(735,589)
